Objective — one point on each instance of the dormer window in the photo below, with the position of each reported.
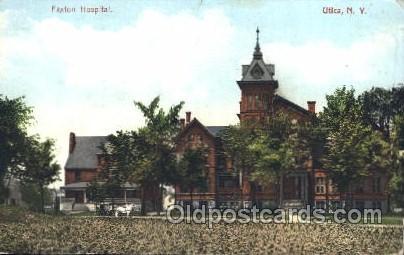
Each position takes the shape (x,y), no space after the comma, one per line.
(257,72)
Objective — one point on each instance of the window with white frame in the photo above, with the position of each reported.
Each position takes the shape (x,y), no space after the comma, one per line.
(332,188)
(320,185)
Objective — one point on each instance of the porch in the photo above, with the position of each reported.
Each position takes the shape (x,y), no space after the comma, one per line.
(76,197)
(294,190)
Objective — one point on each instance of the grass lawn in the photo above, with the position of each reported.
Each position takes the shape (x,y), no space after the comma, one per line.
(25,232)
(393,220)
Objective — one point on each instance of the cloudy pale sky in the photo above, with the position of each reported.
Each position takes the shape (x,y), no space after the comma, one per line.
(82,71)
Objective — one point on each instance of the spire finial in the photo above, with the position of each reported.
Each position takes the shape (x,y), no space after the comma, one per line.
(257,52)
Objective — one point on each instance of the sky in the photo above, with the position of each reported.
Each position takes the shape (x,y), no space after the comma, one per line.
(82,71)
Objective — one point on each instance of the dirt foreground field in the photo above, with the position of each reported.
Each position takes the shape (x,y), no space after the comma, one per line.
(33,233)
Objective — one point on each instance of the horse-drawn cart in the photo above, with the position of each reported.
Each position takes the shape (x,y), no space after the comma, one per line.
(109,209)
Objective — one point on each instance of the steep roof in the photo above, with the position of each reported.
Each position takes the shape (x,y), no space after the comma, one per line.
(84,155)
(289,103)
(214,130)
(257,70)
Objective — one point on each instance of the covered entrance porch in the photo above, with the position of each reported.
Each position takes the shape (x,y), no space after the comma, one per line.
(294,190)
(77,199)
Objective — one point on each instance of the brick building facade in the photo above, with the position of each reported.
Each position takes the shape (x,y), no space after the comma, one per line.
(226,188)
(83,165)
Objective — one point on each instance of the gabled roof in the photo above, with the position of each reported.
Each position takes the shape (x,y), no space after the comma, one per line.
(282,100)
(258,71)
(213,131)
(84,155)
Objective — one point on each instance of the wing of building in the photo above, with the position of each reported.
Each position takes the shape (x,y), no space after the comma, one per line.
(83,165)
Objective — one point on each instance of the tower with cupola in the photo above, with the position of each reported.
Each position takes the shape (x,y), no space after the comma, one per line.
(257,87)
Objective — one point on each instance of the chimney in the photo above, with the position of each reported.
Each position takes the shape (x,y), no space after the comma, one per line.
(311,105)
(72,142)
(182,123)
(188,117)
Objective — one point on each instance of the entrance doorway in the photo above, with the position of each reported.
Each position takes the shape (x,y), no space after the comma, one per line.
(293,187)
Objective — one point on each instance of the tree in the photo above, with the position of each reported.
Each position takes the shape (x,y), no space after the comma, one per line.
(380,106)
(161,131)
(398,99)
(236,141)
(95,192)
(15,116)
(377,110)
(192,170)
(396,185)
(31,195)
(342,105)
(40,167)
(282,147)
(125,158)
(353,149)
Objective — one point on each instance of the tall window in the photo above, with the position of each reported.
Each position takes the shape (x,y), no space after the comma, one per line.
(265,101)
(332,188)
(376,184)
(258,103)
(320,185)
(250,102)
(359,187)
(77,176)
(320,204)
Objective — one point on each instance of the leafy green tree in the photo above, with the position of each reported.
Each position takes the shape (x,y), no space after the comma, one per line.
(377,110)
(380,106)
(398,99)
(192,169)
(381,110)
(236,141)
(31,196)
(342,105)
(281,148)
(121,153)
(161,131)
(125,158)
(353,149)
(15,116)
(396,185)
(40,167)
(97,191)
(344,155)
